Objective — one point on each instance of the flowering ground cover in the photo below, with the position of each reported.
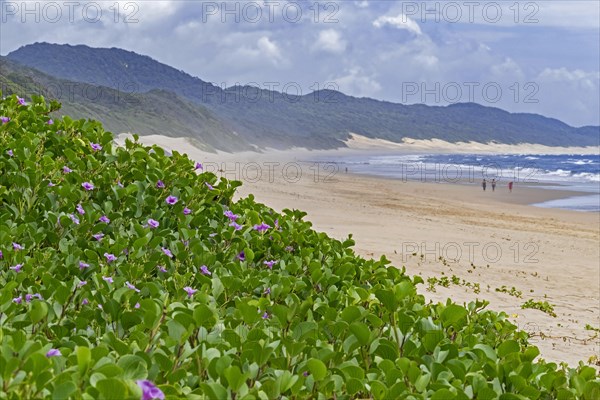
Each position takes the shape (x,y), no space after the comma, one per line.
(126,273)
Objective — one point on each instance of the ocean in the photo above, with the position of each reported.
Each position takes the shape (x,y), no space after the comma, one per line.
(579,173)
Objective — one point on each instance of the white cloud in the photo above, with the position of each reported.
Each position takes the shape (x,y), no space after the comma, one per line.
(508,69)
(357,83)
(269,49)
(427,60)
(400,21)
(583,78)
(330,41)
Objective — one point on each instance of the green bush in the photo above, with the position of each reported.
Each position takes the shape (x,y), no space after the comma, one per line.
(105,291)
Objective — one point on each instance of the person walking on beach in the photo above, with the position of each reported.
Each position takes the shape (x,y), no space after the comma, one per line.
(483,185)
(493,185)
(510,184)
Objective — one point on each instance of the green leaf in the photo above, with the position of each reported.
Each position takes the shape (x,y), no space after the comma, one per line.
(387,298)
(234,377)
(64,391)
(508,347)
(452,314)
(214,391)
(487,350)
(112,389)
(362,332)
(204,316)
(133,367)
(84,359)
(317,369)
(177,331)
(443,394)
(39,311)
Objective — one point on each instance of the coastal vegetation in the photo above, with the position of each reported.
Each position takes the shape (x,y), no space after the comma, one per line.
(129,273)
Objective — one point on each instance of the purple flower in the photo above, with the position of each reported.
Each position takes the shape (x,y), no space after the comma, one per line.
(204,270)
(149,391)
(137,305)
(87,186)
(17,268)
(198,165)
(85,302)
(119,184)
(108,279)
(241,256)
(98,236)
(104,219)
(17,246)
(83,265)
(80,209)
(17,300)
(268,290)
(110,257)
(171,200)
(305,373)
(160,184)
(50,184)
(82,283)
(50,122)
(66,169)
(21,101)
(153,223)
(74,219)
(265,315)
(277,223)
(190,292)
(29,297)
(161,268)
(53,353)
(10,153)
(236,226)
(1,255)
(187,211)
(130,286)
(289,248)
(4,120)
(167,252)
(270,264)
(230,215)
(262,227)
(209,186)
(95,146)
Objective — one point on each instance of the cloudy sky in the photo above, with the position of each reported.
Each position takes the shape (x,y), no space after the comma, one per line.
(528,56)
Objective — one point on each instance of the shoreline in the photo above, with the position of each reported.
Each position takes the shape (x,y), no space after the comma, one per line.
(527,194)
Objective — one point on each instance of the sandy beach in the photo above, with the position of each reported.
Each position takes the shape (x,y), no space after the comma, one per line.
(484,243)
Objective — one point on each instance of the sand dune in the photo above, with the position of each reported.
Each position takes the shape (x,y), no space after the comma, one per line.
(358,142)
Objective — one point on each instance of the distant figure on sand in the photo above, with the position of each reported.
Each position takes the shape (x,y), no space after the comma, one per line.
(493,185)
(510,186)
(483,185)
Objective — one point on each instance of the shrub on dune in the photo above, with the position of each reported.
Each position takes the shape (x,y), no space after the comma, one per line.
(241,314)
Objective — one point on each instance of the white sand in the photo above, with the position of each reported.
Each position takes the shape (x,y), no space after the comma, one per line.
(548,255)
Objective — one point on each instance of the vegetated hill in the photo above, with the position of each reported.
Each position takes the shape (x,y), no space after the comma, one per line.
(125,274)
(154,112)
(317,120)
